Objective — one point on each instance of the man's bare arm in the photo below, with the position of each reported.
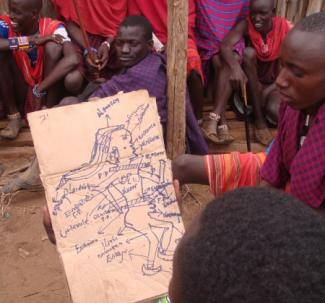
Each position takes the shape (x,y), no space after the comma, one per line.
(190,169)
(237,76)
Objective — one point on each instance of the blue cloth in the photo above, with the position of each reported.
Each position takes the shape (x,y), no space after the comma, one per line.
(150,74)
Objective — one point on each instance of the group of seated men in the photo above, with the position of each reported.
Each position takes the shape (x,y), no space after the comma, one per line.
(45,60)
(281,69)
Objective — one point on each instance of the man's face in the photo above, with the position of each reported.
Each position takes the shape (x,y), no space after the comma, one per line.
(131,45)
(261,13)
(301,80)
(21,16)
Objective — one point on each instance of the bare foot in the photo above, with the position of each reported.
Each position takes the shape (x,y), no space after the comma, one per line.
(12,129)
(224,135)
(209,127)
(263,136)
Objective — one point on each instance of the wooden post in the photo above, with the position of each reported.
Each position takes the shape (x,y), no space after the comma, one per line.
(281,8)
(176,73)
(314,6)
(3,7)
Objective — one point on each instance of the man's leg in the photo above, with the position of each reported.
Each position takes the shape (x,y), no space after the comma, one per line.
(53,54)
(13,91)
(215,127)
(262,133)
(196,91)
(73,82)
(272,104)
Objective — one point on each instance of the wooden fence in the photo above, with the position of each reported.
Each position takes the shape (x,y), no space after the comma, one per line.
(295,10)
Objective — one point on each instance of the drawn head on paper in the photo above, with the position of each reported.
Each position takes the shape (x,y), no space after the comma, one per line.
(111,143)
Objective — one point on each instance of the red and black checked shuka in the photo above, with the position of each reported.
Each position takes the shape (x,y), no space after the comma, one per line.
(303,168)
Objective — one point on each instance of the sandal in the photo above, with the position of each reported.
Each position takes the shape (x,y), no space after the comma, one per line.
(12,129)
(209,127)
(263,136)
(28,180)
(224,135)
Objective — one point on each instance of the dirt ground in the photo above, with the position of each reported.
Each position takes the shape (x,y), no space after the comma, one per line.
(30,270)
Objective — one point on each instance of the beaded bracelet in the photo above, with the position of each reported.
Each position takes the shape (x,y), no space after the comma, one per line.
(23,42)
(13,43)
(37,93)
(20,43)
(86,51)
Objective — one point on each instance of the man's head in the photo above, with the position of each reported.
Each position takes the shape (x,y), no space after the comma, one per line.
(134,40)
(251,245)
(24,15)
(112,143)
(261,14)
(302,78)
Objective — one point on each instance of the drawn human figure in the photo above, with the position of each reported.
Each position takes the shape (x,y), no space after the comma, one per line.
(114,173)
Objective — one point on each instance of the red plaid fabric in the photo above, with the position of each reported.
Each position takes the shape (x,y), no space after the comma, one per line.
(303,168)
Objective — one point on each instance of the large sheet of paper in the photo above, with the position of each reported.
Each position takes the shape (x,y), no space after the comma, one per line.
(109,190)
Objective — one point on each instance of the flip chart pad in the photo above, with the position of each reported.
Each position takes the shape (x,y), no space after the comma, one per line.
(109,190)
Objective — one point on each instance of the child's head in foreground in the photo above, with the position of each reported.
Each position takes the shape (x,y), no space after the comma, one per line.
(251,245)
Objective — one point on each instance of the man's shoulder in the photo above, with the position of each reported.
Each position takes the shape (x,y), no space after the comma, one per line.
(152,62)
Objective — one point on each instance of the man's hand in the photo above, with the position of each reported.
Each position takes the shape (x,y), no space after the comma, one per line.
(92,59)
(48,224)
(103,56)
(238,79)
(41,40)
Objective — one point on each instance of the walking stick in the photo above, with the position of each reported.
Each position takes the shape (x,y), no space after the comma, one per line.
(248,139)
(85,36)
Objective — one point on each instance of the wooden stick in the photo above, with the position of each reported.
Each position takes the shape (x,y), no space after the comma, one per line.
(176,75)
(92,56)
(81,24)
(248,139)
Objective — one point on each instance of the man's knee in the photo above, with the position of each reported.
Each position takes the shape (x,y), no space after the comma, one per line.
(53,51)
(249,56)
(216,62)
(68,101)
(73,82)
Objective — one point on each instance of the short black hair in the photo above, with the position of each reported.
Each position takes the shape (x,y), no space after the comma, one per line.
(313,23)
(35,5)
(254,245)
(272,3)
(139,21)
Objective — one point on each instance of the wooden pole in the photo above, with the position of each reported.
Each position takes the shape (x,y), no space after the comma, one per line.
(176,73)
(314,6)
(281,8)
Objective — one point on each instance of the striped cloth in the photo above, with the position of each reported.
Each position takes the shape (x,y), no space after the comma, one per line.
(214,19)
(230,171)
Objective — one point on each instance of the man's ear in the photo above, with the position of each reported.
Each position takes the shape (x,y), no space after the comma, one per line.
(35,14)
(274,11)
